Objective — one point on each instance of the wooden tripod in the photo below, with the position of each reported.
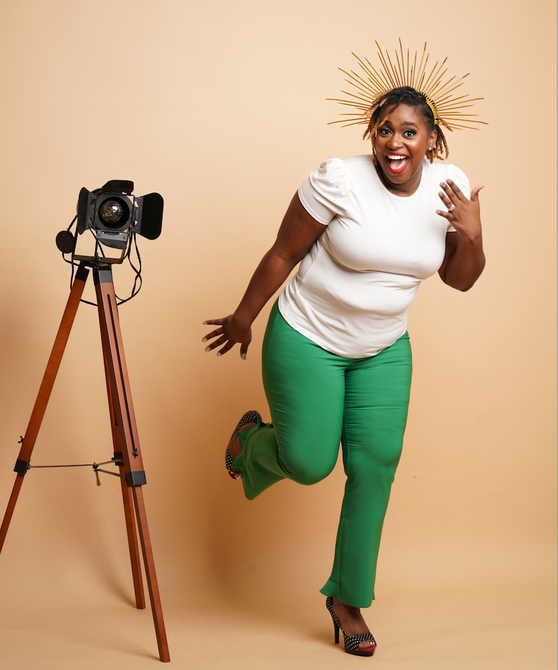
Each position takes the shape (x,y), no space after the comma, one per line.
(124,433)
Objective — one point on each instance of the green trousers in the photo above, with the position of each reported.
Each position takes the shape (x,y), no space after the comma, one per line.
(318,400)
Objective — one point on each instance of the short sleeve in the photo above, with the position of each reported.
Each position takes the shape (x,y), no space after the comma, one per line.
(324,195)
(459,177)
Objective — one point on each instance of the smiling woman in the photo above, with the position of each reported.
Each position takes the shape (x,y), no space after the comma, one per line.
(399,145)
(336,357)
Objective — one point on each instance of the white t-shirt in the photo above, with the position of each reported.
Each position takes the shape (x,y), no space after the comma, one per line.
(352,290)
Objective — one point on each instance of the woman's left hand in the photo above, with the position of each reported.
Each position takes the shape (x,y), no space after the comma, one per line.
(464,258)
(463,214)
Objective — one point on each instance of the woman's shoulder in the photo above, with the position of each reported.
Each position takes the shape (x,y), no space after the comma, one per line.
(442,171)
(326,192)
(344,165)
(331,174)
(342,175)
(359,164)
(345,170)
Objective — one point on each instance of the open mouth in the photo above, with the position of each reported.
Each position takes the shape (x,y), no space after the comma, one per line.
(397,162)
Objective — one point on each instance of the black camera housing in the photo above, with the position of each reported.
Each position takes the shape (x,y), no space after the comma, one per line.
(112,213)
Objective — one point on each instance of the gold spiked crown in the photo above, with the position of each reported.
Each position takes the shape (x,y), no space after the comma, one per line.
(404,71)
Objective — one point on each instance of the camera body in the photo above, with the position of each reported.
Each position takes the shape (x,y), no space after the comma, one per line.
(112,213)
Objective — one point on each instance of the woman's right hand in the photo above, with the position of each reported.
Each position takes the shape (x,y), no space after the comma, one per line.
(228,334)
(297,234)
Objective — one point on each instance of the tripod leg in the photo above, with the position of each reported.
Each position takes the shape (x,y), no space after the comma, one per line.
(10,509)
(132,542)
(43,396)
(127,500)
(152,585)
(121,401)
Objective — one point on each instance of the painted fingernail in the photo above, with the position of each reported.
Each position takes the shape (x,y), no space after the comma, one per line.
(204,339)
(244,357)
(208,348)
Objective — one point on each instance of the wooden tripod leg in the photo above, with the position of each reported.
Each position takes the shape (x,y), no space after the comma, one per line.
(43,396)
(132,542)
(121,401)
(126,499)
(149,563)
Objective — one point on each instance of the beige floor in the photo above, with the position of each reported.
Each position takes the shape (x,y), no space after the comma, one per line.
(483,628)
(245,595)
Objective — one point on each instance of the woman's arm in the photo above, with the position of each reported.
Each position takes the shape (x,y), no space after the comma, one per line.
(464,258)
(298,232)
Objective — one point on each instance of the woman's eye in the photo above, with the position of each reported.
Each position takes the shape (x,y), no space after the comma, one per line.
(409,133)
(384,131)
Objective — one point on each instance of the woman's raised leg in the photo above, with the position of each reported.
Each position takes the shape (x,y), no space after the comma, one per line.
(305,388)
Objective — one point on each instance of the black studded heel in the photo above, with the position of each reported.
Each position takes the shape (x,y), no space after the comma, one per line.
(352,642)
(249,417)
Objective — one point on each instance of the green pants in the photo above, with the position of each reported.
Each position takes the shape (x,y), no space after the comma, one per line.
(317,401)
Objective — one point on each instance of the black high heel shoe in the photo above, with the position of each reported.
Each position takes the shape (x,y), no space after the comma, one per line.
(352,642)
(249,417)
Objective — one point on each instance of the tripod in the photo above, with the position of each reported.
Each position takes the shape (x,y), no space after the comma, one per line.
(124,433)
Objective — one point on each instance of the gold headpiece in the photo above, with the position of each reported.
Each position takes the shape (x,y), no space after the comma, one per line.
(405,72)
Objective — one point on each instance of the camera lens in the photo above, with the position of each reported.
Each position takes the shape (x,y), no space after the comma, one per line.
(113,213)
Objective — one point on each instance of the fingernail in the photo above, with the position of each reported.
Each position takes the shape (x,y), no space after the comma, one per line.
(208,348)
(218,353)
(244,356)
(204,339)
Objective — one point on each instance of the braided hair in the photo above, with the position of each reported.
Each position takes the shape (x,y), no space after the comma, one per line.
(405,95)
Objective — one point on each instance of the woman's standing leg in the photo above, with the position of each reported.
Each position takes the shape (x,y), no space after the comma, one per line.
(376,404)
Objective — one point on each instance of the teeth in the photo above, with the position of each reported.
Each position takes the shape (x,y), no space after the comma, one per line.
(397,158)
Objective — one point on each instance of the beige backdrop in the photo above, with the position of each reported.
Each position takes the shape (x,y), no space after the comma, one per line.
(221,108)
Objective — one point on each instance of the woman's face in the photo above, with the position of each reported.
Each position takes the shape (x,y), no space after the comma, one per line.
(401,143)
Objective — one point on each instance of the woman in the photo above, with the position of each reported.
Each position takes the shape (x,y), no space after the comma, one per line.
(336,358)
